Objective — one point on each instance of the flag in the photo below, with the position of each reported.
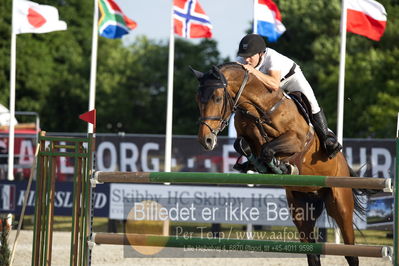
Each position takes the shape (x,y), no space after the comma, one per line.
(113,23)
(89,117)
(190,20)
(267,20)
(367,18)
(30,17)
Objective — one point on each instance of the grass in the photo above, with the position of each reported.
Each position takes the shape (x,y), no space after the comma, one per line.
(278,233)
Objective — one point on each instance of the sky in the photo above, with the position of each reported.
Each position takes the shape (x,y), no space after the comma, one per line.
(230,20)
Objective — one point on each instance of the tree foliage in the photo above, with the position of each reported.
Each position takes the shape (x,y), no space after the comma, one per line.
(53,71)
(371,77)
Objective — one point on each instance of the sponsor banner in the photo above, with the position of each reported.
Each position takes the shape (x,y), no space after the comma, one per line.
(380,213)
(209,204)
(368,157)
(12,195)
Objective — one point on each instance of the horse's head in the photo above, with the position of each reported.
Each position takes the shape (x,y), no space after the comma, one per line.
(215,105)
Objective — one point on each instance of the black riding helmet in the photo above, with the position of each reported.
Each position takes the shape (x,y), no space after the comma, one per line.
(251,44)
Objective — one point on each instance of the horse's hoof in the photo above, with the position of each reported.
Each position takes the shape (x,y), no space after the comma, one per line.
(293,170)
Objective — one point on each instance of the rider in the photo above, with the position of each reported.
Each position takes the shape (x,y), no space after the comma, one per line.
(278,71)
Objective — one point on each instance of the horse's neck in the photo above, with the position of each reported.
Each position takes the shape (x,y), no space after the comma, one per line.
(257,94)
(254,93)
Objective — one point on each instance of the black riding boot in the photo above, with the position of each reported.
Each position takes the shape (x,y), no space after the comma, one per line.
(328,138)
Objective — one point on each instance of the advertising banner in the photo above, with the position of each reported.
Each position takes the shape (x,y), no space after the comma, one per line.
(210,204)
(12,195)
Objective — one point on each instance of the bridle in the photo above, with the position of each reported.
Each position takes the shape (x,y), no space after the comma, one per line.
(227,102)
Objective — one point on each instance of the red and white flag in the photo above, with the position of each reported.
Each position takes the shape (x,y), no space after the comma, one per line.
(367,18)
(190,20)
(30,17)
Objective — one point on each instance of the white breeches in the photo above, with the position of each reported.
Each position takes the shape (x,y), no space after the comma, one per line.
(298,82)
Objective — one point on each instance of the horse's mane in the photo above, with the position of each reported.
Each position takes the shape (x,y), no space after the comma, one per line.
(237,66)
(230,64)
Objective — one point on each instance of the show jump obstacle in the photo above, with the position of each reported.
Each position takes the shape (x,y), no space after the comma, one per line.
(81,150)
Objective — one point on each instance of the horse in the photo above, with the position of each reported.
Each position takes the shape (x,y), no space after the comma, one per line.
(274,131)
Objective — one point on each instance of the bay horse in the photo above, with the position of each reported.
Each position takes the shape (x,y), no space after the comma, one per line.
(274,130)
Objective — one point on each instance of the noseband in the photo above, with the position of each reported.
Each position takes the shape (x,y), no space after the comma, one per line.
(227,101)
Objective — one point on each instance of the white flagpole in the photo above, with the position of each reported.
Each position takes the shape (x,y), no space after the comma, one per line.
(341,82)
(11,133)
(93,69)
(397,127)
(341,91)
(255,28)
(169,108)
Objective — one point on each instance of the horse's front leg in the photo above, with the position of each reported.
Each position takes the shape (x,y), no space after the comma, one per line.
(287,143)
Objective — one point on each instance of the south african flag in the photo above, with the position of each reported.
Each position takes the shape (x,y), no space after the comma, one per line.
(113,23)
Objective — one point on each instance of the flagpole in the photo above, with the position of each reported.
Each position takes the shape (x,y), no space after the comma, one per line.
(341,82)
(341,91)
(93,68)
(11,132)
(255,28)
(169,108)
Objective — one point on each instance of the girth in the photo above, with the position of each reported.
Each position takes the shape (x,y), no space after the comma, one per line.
(297,158)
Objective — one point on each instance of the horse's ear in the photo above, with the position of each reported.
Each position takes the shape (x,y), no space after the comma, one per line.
(215,69)
(198,74)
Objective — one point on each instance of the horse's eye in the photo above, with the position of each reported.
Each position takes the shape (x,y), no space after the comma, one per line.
(218,99)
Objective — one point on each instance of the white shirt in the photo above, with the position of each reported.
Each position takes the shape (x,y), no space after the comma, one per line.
(272,60)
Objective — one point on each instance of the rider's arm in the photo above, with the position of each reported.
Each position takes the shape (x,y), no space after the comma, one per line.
(271,80)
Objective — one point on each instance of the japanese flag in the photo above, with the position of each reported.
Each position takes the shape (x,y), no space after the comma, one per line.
(30,17)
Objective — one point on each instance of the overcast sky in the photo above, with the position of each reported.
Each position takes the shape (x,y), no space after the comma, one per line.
(230,19)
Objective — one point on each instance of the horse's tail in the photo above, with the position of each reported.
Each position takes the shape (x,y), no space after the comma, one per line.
(361,191)
(359,200)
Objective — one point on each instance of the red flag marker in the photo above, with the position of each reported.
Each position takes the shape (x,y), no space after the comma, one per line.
(89,117)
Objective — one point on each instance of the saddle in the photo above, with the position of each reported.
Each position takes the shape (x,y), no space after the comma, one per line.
(302,104)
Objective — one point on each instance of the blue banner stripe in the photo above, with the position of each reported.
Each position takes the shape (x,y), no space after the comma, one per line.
(268,30)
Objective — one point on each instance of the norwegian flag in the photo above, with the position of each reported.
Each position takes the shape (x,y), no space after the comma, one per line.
(190,20)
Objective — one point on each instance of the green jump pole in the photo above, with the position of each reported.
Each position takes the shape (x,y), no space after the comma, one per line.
(236,178)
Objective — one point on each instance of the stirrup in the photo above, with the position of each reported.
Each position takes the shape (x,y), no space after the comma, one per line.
(241,167)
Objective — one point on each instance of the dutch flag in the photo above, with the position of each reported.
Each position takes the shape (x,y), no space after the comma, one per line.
(267,20)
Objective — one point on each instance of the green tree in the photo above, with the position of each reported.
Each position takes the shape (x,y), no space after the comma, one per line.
(53,71)
(312,40)
(134,79)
